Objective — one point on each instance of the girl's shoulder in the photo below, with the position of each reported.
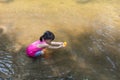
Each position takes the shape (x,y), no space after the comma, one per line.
(43,44)
(35,42)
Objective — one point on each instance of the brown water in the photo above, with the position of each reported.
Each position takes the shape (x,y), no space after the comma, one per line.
(91,28)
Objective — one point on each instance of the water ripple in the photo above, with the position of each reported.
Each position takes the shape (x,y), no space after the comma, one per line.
(6,64)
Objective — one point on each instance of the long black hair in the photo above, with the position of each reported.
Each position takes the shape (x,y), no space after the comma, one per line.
(47,35)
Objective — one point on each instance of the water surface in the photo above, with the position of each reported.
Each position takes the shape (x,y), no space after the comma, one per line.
(91,28)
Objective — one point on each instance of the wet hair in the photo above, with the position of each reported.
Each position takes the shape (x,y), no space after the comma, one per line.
(47,35)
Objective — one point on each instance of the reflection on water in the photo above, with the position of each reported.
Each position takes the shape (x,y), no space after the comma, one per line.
(91,30)
(111,62)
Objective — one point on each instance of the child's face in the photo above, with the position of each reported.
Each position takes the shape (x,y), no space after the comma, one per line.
(48,41)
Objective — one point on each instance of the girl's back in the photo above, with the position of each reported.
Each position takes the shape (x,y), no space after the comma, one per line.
(32,48)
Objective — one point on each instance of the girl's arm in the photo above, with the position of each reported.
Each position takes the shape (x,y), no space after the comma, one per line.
(42,45)
(55,47)
(56,43)
(50,46)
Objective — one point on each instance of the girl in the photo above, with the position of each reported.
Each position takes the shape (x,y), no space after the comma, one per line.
(37,48)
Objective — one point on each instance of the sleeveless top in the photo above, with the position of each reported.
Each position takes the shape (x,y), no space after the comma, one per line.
(32,48)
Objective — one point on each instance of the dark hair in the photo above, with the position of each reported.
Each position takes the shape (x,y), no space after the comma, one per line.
(47,35)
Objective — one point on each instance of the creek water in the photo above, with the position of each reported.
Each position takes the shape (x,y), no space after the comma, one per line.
(90,27)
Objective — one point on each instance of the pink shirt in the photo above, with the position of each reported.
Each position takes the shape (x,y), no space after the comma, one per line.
(32,48)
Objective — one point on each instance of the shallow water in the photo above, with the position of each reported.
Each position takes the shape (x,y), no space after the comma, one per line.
(91,28)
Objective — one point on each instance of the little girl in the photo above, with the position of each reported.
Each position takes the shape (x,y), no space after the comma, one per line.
(36,48)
